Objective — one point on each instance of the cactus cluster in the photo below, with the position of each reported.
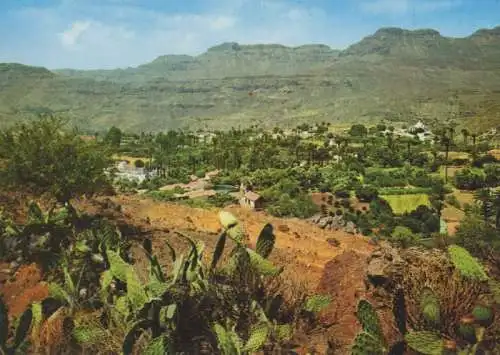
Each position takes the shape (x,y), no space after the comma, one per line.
(427,341)
(157,305)
(231,300)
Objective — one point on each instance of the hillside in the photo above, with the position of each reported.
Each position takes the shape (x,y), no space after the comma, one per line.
(394,74)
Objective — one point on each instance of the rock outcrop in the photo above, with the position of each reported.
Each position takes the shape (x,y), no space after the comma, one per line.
(334,223)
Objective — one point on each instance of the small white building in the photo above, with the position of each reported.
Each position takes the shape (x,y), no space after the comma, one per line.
(127,172)
(251,200)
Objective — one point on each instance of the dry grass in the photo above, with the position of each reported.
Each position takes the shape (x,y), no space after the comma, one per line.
(459,155)
(464,196)
(452,214)
(452,170)
(495,153)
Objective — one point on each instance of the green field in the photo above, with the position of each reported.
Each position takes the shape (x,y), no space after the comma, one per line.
(406,203)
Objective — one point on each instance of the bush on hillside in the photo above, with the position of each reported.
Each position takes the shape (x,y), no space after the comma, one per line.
(366,193)
(470,179)
(479,162)
(139,163)
(42,156)
(403,236)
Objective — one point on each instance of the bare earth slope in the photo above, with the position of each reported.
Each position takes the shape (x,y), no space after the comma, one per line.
(304,248)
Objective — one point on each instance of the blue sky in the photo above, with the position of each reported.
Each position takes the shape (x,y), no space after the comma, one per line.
(120,33)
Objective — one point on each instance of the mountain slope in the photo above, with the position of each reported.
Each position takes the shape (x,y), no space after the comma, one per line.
(394,74)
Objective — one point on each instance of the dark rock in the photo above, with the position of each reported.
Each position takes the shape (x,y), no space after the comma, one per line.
(333,242)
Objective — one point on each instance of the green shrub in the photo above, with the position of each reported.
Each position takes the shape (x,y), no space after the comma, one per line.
(470,179)
(403,236)
(366,193)
(44,157)
(139,163)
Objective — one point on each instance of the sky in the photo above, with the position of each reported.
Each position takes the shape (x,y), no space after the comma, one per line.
(92,34)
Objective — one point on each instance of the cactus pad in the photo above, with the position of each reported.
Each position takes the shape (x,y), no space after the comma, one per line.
(88,335)
(266,240)
(468,266)
(427,343)
(261,265)
(317,303)
(258,337)
(429,305)
(157,346)
(482,314)
(367,344)
(467,332)
(369,319)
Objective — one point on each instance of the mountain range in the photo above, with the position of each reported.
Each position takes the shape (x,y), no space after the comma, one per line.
(393,75)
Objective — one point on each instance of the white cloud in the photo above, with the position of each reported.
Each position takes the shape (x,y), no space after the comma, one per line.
(71,35)
(121,34)
(400,7)
(222,22)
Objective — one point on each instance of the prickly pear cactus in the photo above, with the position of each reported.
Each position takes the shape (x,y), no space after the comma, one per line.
(117,265)
(429,305)
(367,344)
(258,337)
(482,314)
(369,319)
(283,332)
(135,291)
(157,346)
(219,249)
(467,332)
(227,341)
(428,343)
(85,335)
(232,226)
(265,242)
(261,265)
(317,303)
(468,266)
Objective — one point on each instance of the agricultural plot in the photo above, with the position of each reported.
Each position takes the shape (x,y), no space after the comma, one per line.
(406,203)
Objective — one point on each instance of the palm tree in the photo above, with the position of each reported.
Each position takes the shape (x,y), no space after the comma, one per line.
(446,142)
(465,134)
(496,207)
(484,197)
(451,131)
(437,198)
(409,143)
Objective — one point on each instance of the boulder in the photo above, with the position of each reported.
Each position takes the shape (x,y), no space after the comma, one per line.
(323,223)
(350,228)
(385,266)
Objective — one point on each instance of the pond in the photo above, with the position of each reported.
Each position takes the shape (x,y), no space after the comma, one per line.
(225,188)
